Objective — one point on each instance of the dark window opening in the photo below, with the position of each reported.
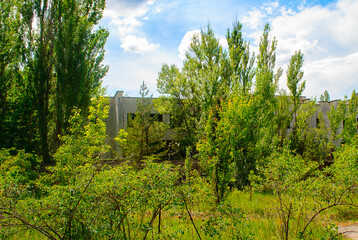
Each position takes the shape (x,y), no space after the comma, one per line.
(156,117)
(171,121)
(153,116)
(130,116)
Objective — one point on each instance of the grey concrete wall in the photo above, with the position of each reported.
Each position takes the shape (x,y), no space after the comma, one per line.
(121,106)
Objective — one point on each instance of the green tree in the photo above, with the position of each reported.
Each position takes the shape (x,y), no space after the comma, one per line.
(54,68)
(9,50)
(312,134)
(229,153)
(325,96)
(266,86)
(191,93)
(350,122)
(209,76)
(303,190)
(343,120)
(144,135)
(17,128)
(180,98)
(296,87)
(336,116)
(283,116)
(42,71)
(79,52)
(242,69)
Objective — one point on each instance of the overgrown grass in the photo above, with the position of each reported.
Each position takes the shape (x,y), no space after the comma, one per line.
(249,215)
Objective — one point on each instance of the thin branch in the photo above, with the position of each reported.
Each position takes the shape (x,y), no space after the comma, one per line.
(191,219)
(75,208)
(152,220)
(38,228)
(317,213)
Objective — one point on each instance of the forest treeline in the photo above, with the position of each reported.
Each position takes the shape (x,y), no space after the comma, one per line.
(227,113)
(51,55)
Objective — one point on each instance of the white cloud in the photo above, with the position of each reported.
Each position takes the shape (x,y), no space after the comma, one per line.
(327,36)
(127,8)
(223,42)
(126,17)
(185,42)
(257,17)
(337,74)
(130,71)
(137,44)
(125,26)
(254,18)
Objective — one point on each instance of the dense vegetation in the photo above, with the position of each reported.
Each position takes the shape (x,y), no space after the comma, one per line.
(254,165)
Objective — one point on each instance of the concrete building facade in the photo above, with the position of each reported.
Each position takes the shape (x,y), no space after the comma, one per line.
(122,108)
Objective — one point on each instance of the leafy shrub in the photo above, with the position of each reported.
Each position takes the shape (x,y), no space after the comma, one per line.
(17,170)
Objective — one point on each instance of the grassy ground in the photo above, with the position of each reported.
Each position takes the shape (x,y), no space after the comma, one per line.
(246,215)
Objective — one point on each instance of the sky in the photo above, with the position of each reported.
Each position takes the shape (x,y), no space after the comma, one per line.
(144,34)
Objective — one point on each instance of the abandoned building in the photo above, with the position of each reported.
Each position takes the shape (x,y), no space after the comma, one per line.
(122,108)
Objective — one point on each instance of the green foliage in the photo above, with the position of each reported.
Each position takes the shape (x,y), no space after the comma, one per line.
(207,78)
(79,52)
(220,102)
(343,120)
(84,143)
(17,128)
(350,124)
(304,117)
(144,134)
(336,117)
(230,153)
(283,116)
(112,203)
(54,68)
(303,191)
(181,100)
(228,223)
(240,130)
(76,195)
(191,92)
(294,77)
(17,173)
(282,171)
(345,166)
(325,96)
(266,86)
(241,64)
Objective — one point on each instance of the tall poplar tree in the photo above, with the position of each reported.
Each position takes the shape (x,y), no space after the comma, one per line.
(191,93)
(15,105)
(241,63)
(50,63)
(266,86)
(295,85)
(79,53)
(209,77)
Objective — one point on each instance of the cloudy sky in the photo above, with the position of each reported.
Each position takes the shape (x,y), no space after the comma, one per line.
(144,34)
